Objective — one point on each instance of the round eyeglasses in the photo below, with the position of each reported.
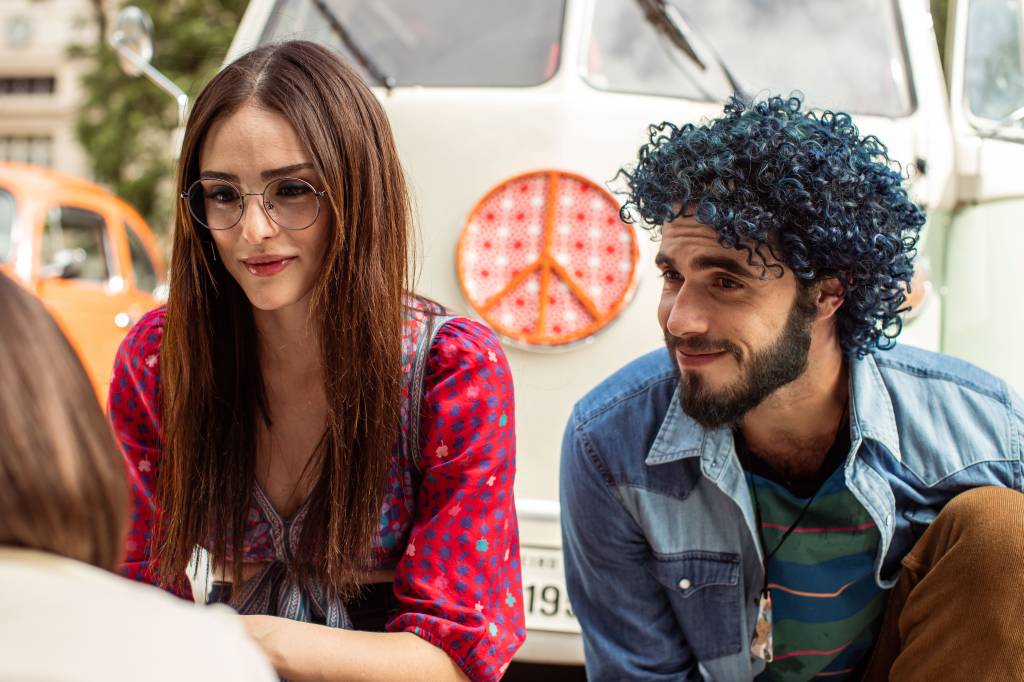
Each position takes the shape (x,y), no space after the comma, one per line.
(291,203)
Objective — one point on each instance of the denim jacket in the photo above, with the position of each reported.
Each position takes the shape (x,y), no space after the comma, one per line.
(663,565)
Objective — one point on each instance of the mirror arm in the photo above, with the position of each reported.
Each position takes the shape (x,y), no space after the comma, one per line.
(160,80)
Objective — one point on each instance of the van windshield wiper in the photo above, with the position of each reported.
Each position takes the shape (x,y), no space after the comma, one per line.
(371,67)
(670,22)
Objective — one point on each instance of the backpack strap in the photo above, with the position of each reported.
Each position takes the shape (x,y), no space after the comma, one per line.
(411,433)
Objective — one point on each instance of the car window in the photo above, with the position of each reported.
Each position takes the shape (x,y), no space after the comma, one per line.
(145,273)
(841,55)
(995,58)
(6,223)
(75,245)
(440,43)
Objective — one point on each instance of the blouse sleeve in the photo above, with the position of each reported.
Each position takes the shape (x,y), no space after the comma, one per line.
(133,404)
(459,583)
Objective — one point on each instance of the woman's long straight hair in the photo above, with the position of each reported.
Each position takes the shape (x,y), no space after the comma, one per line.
(213,394)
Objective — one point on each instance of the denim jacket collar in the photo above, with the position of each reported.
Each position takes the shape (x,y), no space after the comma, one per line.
(871,417)
(679,437)
(871,412)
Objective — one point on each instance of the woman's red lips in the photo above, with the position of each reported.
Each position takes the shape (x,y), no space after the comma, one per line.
(266,266)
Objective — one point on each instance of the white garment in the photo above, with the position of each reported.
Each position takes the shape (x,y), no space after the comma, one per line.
(65,621)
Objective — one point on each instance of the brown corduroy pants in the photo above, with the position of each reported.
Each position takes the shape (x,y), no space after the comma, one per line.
(957,611)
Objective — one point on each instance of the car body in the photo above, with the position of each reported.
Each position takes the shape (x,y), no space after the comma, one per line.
(88,255)
(487,99)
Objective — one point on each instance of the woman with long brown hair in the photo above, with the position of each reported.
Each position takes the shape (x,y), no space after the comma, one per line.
(63,520)
(344,450)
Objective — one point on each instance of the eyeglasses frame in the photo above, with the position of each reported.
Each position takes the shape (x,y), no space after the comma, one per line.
(319,194)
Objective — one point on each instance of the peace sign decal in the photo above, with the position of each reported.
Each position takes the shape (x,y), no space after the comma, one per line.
(545,259)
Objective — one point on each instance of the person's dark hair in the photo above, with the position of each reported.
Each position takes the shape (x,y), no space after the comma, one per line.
(62,478)
(212,391)
(791,186)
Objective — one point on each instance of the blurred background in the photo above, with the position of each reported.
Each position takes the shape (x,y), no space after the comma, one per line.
(65,103)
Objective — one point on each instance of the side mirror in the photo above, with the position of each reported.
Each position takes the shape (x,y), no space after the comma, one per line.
(67,264)
(133,40)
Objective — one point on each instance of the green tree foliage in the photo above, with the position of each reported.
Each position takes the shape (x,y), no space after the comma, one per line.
(126,124)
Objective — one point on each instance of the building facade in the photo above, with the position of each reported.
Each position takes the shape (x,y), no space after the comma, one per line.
(39,81)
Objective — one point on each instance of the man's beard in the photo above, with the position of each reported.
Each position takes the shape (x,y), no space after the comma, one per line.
(765,371)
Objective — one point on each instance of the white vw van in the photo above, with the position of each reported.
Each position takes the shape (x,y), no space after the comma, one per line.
(512,116)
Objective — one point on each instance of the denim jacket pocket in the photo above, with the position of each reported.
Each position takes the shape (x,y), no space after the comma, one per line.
(705,592)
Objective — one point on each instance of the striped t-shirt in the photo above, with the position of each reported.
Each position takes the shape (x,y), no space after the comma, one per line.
(826,606)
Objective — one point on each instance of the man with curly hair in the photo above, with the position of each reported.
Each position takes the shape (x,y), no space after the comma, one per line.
(785,494)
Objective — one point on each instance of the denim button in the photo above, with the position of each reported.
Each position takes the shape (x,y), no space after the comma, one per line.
(685,584)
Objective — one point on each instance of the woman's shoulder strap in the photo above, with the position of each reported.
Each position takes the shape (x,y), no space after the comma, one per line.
(423,321)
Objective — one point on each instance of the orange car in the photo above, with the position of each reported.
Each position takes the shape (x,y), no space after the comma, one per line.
(88,255)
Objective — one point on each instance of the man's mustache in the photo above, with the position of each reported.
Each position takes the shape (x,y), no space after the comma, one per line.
(702,343)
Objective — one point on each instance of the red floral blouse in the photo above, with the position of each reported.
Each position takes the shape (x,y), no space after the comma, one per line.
(448,528)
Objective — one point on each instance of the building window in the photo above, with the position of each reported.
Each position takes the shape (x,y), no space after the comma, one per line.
(37,149)
(27,85)
(18,32)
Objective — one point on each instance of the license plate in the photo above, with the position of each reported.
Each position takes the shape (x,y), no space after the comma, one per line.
(544,596)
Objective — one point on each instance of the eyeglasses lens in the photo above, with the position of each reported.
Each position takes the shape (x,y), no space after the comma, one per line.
(290,202)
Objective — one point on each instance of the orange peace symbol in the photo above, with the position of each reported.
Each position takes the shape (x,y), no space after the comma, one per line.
(545,259)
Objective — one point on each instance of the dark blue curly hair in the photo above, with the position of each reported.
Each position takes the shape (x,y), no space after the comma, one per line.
(792,187)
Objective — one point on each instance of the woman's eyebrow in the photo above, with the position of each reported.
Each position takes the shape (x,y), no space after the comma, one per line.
(281,172)
(217,175)
(285,170)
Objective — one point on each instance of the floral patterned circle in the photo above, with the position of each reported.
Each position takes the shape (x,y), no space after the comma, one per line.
(545,259)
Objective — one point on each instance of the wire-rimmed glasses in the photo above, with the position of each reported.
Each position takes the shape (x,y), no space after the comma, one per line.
(216,204)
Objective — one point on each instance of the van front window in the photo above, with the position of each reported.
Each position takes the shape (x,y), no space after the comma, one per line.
(995,60)
(440,43)
(840,54)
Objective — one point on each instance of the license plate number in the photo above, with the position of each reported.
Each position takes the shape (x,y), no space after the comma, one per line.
(545,599)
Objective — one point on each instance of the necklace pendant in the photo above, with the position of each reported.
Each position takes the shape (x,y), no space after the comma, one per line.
(761,646)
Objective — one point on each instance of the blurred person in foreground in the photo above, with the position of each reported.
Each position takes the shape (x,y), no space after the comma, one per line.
(785,494)
(64,614)
(344,449)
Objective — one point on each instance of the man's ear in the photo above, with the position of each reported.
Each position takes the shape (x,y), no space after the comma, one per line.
(831,295)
